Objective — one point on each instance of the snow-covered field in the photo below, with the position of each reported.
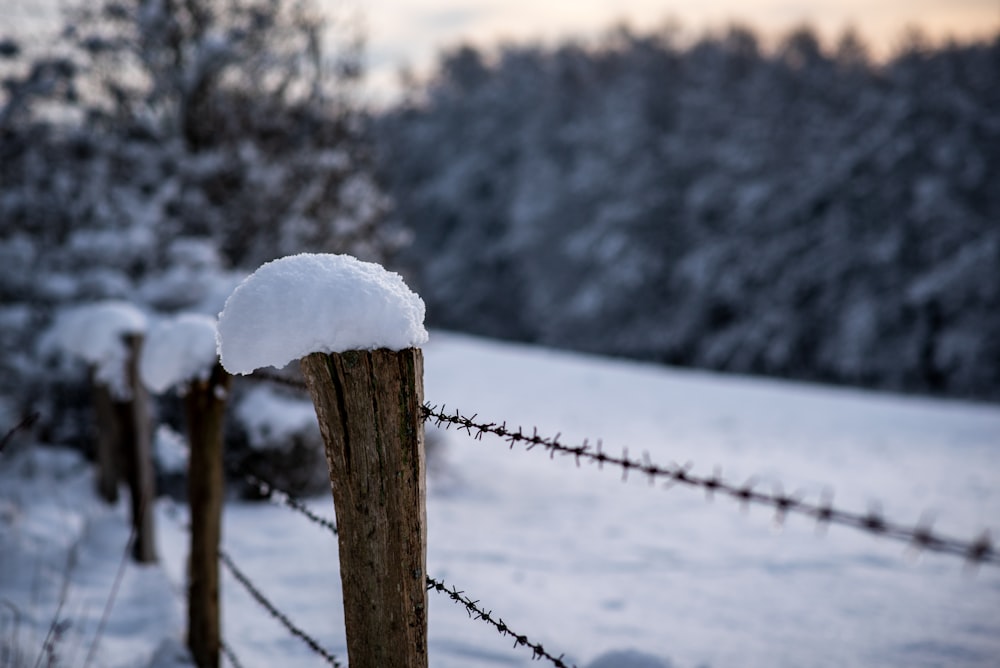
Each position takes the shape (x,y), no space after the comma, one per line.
(575,558)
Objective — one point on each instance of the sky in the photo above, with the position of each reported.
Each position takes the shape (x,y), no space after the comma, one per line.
(409,33)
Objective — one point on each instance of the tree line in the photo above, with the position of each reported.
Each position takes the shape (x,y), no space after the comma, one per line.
(796,211)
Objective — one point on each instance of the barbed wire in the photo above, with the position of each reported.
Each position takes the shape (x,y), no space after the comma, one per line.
(476,612)
(275,612)
(26,423)
(471,606)
(230,655)
(280,497)
(922,537)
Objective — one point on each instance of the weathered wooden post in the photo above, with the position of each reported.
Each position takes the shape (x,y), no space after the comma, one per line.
(356,328)
(368,405)
(107,440)
(108,337)
(182,352)
(205,407)
(137,447)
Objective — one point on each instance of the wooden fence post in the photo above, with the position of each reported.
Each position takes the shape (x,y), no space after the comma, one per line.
(136,445)
(369,408)
(205,407)
(108,440)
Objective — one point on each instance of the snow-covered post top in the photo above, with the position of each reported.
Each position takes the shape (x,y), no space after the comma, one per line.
(96,334)
(109,337)
(177,351)
(311,303)
(356,328)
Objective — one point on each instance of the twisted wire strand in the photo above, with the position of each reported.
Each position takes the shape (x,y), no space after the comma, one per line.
(230,655)
(280,497)
(240,577)
(978,551)
(475,612)
(471,606)
(26,423)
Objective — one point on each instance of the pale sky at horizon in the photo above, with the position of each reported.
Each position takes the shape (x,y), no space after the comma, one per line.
(412,32)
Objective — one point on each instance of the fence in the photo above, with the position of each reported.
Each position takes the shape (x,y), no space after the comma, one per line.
(979,551)
(472,607)
(922,537)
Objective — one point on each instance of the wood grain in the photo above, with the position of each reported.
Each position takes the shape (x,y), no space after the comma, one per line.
(368,404)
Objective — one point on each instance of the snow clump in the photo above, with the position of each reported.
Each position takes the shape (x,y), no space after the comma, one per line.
(177,350)
(310,303)
(94,334)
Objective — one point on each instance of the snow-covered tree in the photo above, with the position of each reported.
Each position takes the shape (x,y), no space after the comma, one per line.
(797,211)
(160,148)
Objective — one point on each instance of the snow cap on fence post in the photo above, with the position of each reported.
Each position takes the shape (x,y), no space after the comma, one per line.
(178,350)
(311,303)
(108,335)
(356,329)
(95,333)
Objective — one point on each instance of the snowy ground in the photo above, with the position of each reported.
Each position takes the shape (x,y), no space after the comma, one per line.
(575,559)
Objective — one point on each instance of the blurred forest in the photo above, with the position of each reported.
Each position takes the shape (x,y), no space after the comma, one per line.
(796,211)
(792,211)
(155,153)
